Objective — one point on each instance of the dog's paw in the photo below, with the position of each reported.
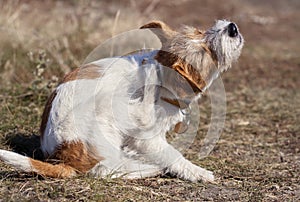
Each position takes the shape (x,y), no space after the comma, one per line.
(206,175)
(197,173)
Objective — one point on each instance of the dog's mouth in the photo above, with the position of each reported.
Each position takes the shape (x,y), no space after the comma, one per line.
(241,40)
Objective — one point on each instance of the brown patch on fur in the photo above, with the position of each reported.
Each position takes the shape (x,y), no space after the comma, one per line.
(89,71)
(46,113)
(180,127)
(175,102)
(186,70)
(49,170)
(77,155)
(70,158)
(163,31)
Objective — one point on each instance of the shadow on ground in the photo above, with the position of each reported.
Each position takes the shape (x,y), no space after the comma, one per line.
(25,145)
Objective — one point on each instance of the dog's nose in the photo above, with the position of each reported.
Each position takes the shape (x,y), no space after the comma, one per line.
(232,30)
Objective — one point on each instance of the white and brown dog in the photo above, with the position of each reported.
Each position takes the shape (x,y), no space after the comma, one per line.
(110,117)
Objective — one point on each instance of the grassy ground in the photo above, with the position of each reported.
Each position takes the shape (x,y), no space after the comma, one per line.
(258,155)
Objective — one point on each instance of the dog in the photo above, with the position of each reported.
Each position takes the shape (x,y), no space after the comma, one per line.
(110,117)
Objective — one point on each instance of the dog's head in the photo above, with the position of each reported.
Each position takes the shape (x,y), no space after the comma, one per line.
(199,56)
(225,42)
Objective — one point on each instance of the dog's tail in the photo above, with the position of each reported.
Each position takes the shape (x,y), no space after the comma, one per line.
(27,164)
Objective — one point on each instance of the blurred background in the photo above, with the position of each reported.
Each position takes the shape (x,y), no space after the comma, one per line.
(68,30)
(257,157)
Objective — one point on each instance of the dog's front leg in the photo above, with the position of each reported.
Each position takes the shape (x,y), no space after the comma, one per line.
(160,152)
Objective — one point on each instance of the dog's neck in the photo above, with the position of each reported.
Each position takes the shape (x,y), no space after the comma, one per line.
(188,54)
(194,64)
(176,63)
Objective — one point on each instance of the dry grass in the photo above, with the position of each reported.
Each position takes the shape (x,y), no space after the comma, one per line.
(257,157)
(67,31)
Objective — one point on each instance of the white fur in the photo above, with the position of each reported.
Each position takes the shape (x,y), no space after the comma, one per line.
(16,160)
(101,113)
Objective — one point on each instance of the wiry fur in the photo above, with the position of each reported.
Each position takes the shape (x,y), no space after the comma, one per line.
(111,117)
(226,49)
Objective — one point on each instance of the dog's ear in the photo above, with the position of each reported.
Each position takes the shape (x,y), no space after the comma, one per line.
(162,31)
